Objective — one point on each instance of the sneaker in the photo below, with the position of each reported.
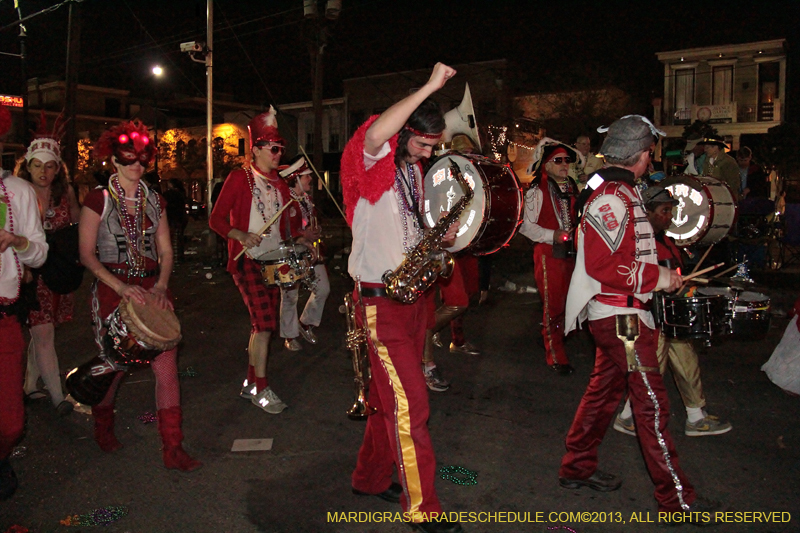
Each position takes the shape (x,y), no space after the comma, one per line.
(625,425)
(269,401)
(248,391)
(434,379)
(308,333)
(293,345)
(710,425)
(599,481)
(465,349)
(437,340)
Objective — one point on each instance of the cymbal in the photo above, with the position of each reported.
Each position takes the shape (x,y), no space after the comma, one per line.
(736,283)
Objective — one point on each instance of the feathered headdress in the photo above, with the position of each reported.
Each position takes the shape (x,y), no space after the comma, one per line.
(264,128)
(46,144)
(128,142)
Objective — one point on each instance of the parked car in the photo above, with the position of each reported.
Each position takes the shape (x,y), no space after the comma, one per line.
(195,209)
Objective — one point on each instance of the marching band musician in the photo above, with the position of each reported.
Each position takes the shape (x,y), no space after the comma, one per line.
(249,199)
(616,272)
(22,244)
(303,216)
(125,243)
(382,183)
(548,221)
(679,353)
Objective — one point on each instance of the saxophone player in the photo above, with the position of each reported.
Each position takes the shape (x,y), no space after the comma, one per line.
(382,186)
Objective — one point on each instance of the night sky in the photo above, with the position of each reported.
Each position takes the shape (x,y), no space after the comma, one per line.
(261,47)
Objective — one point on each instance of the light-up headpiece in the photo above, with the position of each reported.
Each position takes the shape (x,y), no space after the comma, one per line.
(128,142)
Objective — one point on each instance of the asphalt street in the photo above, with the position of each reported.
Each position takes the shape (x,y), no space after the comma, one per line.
(504,418)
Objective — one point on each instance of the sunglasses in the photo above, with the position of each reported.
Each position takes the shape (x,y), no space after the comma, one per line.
(561,160)
(275,148)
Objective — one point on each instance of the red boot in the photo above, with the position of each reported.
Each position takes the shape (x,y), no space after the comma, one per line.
(169,426)
(104,428)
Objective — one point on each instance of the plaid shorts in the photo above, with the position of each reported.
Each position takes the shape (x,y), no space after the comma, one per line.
(262,301)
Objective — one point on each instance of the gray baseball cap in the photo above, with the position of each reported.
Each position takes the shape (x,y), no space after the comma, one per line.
(628,136)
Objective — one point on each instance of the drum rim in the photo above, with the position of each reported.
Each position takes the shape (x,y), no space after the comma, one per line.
(130,310)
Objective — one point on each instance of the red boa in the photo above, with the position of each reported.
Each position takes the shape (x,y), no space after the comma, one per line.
(357,181)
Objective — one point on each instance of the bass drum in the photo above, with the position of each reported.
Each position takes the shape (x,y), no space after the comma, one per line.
(706,212)
(491,219)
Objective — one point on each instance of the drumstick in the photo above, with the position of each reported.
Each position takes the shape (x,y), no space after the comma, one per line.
(266,226)
(701,260)
(308,160)
(715,276)
(700,272)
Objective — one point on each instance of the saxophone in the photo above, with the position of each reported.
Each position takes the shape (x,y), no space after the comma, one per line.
(356,340)
(427,260)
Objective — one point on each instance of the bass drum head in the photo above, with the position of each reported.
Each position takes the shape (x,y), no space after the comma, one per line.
(491,219)
(442,192)
(706,212)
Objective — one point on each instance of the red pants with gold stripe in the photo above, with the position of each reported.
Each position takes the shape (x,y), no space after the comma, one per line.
(397,433)
(12,412)
(552,280)
(598,406)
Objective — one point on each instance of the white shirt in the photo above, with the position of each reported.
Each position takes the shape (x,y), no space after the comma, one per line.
(378,231)
(269,195)
(24,213)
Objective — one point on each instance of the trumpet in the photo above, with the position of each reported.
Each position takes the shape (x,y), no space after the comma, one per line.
(357,341)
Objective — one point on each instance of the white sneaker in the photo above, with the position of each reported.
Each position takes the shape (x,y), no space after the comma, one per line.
(269,401)
(293,345)
(248,390)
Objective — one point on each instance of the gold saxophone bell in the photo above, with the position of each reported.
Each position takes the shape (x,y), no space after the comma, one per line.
(356,341)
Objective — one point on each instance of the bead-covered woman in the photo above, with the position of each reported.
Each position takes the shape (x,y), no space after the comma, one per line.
(125,243)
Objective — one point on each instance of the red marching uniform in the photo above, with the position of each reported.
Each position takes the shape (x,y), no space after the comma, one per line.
(545,212)
(615,274)
(397,433)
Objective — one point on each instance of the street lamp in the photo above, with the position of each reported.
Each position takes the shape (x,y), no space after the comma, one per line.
(157,73)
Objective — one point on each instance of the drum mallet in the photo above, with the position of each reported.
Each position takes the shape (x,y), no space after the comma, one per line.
(266,226)
(701,272)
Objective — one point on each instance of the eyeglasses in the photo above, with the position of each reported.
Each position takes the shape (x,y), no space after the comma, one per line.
(275,148)
(561,160)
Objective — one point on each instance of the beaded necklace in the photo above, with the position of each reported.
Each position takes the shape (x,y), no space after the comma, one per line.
(133,226)
(257,195)
(305,207)
(6,199)
(407,209)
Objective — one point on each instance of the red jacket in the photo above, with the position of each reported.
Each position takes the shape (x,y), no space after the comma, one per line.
(232,210)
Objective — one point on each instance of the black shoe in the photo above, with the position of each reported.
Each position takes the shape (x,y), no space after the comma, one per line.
(445,526)
(64,408)
(8,480)
(562,370)
(695,514)
(599,481)
(391,495)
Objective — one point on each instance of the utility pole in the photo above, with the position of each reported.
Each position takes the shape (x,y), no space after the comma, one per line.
(24,68)
(70,144)
(209,100)
(320,30)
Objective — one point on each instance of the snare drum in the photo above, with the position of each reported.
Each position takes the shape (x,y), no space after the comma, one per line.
(747,313)
(698,317)
(491,219)
(136,334)
(706,212)
(286,265)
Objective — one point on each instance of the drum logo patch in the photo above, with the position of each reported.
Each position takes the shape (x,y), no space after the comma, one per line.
(607,216)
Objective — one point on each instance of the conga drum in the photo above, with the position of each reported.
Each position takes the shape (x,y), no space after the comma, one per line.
(135,335)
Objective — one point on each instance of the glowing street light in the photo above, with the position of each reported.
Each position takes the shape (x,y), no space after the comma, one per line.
(157,70)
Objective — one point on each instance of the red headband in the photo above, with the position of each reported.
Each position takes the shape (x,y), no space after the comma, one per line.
(420,134)
(555,152)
